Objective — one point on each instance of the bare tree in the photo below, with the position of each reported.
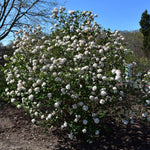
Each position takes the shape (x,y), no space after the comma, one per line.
(16,13)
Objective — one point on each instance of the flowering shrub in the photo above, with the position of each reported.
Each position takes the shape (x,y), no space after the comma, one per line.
(75,77)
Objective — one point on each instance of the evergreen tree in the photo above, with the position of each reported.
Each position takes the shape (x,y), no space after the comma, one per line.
(145,29)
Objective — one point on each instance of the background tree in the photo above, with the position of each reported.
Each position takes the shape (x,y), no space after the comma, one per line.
(145,29)
(1,51)
(16,13)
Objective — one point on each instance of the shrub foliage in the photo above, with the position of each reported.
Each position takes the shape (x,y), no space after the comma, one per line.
(75,77)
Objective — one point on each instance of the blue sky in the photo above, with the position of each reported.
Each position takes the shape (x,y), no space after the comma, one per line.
(113,14)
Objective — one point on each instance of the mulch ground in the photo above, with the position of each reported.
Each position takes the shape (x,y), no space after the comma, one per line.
(17,133)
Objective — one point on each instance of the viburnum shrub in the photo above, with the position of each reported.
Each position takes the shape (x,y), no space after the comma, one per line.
(75,77)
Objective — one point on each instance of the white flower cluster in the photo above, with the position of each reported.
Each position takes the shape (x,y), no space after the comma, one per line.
(72,77)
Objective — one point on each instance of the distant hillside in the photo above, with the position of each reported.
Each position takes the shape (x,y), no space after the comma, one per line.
(134,41)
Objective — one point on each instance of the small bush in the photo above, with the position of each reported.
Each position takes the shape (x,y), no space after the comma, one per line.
(3,85)
(74,78)
(142,64)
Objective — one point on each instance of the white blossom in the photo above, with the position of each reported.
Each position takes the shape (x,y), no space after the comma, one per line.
(36,113)
(94,88)
(70,136)
(84,130)
(96,120)
(85,122)
(42,117)
(144,115)
(18,106)
(85,107)
(57,104)
(71,12)
(43,84)
(148,102)
(103,93)
(97,132)
(12,100)
(80,103)
(37,89)
(91,97)
(74,106)
(33,120)
(31,97)
(5,56)
(49,95)
(68,86)
(102,101)
(125,121)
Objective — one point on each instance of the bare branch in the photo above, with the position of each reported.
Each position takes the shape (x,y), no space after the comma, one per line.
(4,19)
(15,13)
(4,7)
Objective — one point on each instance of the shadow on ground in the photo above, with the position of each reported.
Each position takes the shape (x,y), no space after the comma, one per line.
(17,133)
(132,137)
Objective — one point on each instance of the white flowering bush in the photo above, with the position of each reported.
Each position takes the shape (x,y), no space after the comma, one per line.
(75,77)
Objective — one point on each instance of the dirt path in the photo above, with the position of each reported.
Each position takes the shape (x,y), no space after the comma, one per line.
(17,133)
